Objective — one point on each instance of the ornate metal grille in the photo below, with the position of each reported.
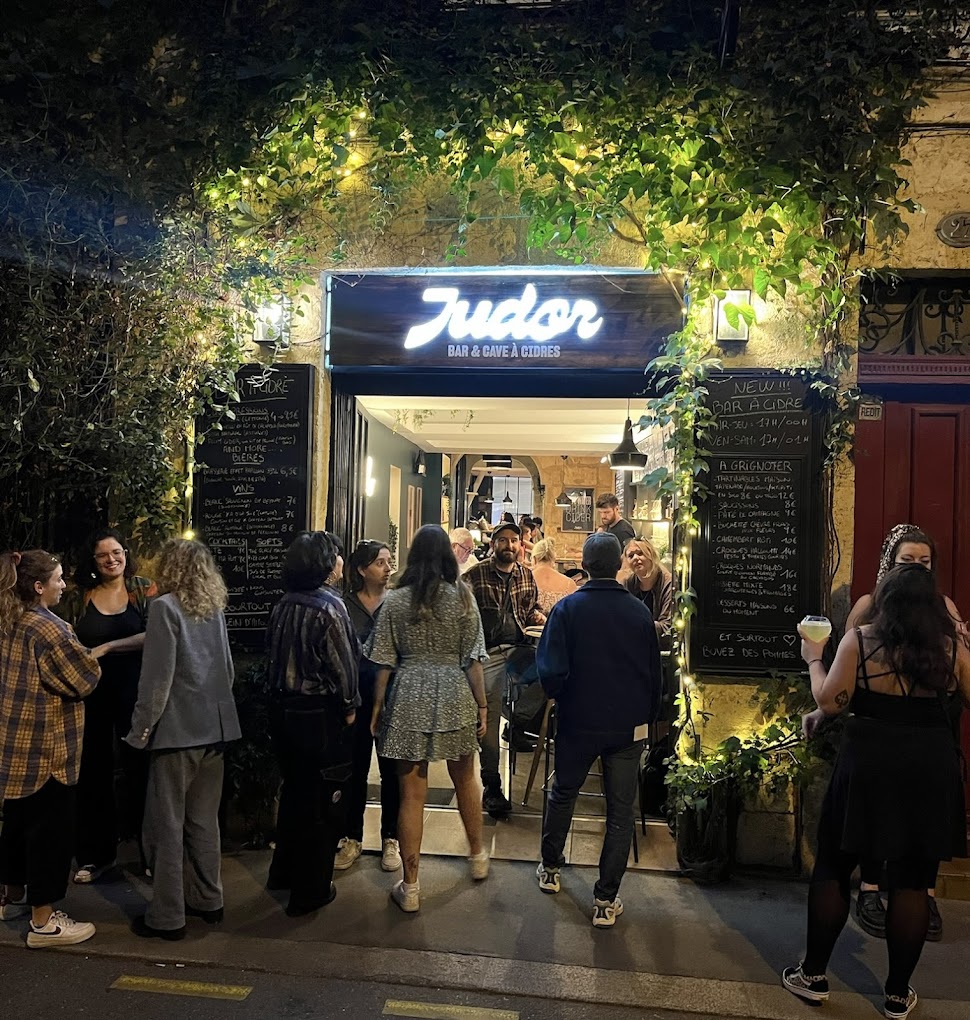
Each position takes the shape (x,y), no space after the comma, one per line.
(916,316)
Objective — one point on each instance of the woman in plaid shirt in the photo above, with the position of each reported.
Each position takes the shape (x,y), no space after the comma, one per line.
(44,674)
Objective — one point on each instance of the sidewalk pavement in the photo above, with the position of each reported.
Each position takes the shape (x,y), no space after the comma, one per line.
(677,946)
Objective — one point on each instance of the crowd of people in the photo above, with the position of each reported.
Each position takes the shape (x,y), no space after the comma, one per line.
(143,670)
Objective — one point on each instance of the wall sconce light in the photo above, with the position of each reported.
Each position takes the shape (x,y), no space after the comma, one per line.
(723,330)
(272,323)
(370,482)
(420,463)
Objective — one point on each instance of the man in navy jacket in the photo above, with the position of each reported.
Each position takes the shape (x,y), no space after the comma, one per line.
(599,657)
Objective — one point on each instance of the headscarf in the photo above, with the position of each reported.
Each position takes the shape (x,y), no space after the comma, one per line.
(890,545)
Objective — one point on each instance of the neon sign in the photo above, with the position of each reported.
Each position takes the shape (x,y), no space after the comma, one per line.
(518,318)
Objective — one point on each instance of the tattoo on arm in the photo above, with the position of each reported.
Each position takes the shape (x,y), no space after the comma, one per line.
(842,699)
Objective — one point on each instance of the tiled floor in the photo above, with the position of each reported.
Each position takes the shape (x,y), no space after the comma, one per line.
(517,839)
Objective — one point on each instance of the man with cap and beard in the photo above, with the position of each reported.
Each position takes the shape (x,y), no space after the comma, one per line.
(508,600)
(599,657)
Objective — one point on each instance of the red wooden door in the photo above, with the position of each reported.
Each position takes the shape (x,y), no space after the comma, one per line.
(913,466)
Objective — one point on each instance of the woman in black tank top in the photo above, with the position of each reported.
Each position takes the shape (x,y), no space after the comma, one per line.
(894,789)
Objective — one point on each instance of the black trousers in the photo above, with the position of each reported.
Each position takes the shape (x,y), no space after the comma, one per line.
(357,788)
(100,818)
(33,850)
(313,804)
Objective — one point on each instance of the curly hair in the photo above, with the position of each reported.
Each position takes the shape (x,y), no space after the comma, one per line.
(188,571)
(18,573)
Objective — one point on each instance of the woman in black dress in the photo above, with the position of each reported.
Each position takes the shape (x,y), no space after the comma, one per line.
(109,612)
(896,784)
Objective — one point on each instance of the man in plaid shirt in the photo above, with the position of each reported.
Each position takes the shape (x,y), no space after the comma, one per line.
(44,674)
(508,600)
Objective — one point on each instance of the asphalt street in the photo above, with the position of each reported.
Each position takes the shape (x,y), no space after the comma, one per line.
(56,984)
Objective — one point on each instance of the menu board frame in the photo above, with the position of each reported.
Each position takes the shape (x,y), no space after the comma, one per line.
(754,635)
(587,494)
(267,476)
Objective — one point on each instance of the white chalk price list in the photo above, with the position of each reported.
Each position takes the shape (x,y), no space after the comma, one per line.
(754,546)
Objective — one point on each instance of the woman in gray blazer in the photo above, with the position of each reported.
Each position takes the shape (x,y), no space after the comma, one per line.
(185,715)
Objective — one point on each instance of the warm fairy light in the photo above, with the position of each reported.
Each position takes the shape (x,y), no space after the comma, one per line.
(188,535)
(362,115)
(352,133)
(679,623)
(245,182)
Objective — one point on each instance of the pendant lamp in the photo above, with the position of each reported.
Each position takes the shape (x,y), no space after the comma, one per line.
(626,457)
(563,501)
(508,497)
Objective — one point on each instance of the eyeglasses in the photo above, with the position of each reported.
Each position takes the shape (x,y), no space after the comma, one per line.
(369,543)
(467,548)
(113,555)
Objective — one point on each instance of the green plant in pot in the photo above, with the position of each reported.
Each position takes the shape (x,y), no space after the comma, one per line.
(706,792)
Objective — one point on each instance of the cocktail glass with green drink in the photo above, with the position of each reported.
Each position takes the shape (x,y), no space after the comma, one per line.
(816,628)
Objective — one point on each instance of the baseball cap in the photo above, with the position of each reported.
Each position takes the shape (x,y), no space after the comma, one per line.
(506,527)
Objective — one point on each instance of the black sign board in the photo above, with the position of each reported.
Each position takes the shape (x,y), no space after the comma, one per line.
(541,318)
(757,560)
(579,516)
(252,490)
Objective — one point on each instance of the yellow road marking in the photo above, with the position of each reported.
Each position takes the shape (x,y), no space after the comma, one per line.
(442,1011)
(161,986)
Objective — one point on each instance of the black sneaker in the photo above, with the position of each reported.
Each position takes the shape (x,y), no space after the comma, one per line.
(810,988)
(898,1008)
(209,916)
(935,931)
(141,927)
(495,802)
(870,912)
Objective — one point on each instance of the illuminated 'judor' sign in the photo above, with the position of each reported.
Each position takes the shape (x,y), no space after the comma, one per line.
(518,318)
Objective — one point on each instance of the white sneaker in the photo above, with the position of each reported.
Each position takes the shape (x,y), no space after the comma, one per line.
(390,854)
(605,912)
(348,850)
(12,910)
(60,930)
(407,897)
(478,865)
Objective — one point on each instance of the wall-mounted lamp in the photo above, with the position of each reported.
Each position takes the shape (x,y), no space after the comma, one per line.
(626,457)
(723,330)
(370,482)
(272,323)
(420,463)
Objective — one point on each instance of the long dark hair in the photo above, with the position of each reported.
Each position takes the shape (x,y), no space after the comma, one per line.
(361,558)
(911,622)
(431,560)
(87,575)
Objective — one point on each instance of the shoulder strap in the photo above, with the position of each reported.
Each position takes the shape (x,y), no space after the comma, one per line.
(861,675)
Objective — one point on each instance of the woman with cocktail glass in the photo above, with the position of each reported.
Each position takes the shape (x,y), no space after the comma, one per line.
(897,781)
(905,543)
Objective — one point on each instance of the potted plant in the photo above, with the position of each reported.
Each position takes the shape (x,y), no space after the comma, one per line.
(706,792)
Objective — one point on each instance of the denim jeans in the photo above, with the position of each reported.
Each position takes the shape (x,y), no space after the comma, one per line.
(575,755)
(495,682)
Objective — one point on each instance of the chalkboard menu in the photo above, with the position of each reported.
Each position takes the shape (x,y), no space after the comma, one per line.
(579,516)
(757,560)
(252,489)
